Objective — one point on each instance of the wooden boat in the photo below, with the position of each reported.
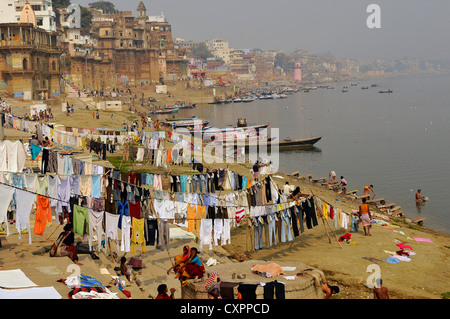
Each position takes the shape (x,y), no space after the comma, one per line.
(186,106)
(188,123)
(189,118)
(386,91)
(284,145)
(164,111)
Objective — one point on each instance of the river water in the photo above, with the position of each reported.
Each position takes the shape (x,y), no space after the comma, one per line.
(398,142)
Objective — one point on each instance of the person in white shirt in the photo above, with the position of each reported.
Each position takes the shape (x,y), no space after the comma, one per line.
(287,189)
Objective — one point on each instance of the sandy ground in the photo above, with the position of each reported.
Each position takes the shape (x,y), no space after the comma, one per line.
(426,276)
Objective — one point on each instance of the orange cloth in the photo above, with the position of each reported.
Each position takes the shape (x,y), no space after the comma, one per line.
(201,214)
(43,214)
(364,208)
(191,215)
(169,156)
(272,268)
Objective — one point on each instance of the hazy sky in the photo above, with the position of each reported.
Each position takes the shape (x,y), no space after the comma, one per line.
(409,28)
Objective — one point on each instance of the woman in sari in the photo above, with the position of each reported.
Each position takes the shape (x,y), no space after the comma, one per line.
(180,261)
(194,267)
(65,245)
(213,286)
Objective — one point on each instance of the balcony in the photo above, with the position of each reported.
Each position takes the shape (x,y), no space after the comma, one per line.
(16,44)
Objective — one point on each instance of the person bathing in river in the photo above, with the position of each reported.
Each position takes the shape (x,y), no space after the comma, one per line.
(367,190)
(419,198)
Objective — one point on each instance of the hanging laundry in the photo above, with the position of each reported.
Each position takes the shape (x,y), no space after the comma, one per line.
(6,195)
(43,214)
(205,232)
(95,225)
(23,211)
(80,220)
(137,237)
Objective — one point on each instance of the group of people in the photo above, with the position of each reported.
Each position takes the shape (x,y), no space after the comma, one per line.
(44,143)
(188,265)
(43,115)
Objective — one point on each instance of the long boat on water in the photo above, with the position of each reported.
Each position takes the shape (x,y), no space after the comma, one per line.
(192,122)
(269,142)
(182,119)
(164,111)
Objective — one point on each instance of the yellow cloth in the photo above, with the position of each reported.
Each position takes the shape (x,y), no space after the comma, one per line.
(137,234)
(325,210)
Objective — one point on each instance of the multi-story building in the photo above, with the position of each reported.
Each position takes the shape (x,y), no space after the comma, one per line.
(10,11)
(220,48)
(139,50)
(29,58)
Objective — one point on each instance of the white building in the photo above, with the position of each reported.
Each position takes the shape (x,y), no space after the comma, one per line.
(45,16)
(217,44)
(220,49)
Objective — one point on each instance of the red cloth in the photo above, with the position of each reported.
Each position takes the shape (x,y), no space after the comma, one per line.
(195,270)
(135,209)
(127,293)
(346,236)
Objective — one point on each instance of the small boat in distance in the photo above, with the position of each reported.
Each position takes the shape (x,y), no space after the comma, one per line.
(386,91)
(164,111)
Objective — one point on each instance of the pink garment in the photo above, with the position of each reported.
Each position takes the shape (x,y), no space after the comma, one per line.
(403,246)
(402,258)
(427,240)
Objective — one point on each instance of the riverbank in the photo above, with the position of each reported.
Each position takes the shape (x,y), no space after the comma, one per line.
(425,276)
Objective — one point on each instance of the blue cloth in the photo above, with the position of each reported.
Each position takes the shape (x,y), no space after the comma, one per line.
(122,209)
(95,186)
(35,150)
(149,179)
(88,281)
(196,260)
(244,182)
(68,166)
(392,260)
(354,224)
(183,183)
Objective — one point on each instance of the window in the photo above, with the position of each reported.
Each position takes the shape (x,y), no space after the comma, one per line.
(40,22)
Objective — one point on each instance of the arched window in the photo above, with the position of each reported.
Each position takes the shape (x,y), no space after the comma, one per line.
(53,66)
(25,64)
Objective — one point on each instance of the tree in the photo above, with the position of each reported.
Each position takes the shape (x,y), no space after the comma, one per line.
(60,4)
(201,51)
(106,6)
(283,61)
(86,19)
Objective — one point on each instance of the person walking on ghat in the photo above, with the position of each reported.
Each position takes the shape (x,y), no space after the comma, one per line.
(365,217)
